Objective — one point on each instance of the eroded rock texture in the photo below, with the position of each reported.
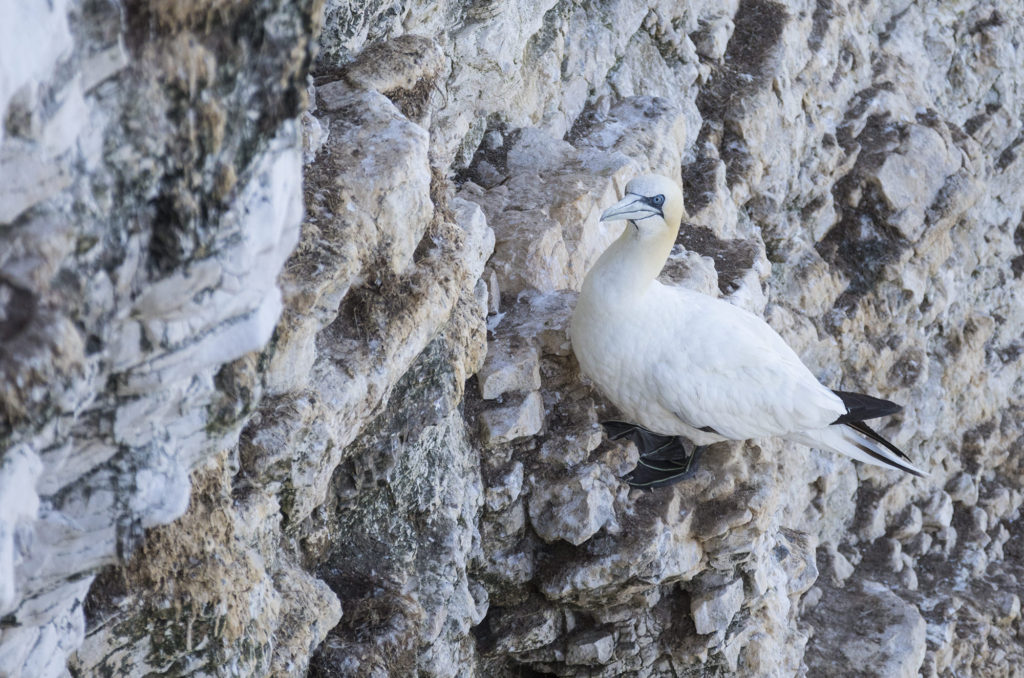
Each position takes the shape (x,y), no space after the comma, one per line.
(286,381)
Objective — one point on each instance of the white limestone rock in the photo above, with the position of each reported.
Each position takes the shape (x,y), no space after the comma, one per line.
(520,418)
(394,220)
(938,514)
(911,177)
(963,489)
(229,302)
(595,647)
(1008,608)
(650,130)
(75,181)
(20,468)
(616,568)
(34,39)
(36,166)
(713,36)
(396,65)
(713,610)
(573,509)
(508,488)
(889,638)
(52,630)
(523,630)
(508,370)
(911,526)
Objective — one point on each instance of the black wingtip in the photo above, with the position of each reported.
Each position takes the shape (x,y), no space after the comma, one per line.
(889,462)
(860,407)
(869,432)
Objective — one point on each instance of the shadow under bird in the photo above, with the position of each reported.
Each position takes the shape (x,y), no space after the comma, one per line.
(683,366)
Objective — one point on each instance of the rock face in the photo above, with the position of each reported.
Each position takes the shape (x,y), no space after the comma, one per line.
(285,381)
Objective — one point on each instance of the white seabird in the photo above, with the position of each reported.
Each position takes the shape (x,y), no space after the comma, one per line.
(680,363)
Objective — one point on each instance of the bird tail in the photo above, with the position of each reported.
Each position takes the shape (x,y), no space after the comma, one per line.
(859,441)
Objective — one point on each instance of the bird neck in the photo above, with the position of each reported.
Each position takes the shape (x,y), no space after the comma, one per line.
(629,266)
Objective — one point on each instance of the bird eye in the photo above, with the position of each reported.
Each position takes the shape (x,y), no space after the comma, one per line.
(658,200)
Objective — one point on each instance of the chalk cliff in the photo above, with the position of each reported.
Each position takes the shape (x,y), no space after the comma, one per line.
(285,381)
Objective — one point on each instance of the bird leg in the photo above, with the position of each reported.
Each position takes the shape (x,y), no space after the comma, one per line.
(664,460)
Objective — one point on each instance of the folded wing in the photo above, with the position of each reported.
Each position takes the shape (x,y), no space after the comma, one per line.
(732,372)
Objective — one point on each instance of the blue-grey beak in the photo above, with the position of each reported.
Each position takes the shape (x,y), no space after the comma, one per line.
(632,207)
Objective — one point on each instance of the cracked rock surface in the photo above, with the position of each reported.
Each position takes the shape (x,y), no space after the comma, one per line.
(286,386)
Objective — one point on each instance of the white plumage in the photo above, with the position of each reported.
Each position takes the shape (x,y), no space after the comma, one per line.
(681,363)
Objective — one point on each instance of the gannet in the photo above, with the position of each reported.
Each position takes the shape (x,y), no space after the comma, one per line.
(679,363)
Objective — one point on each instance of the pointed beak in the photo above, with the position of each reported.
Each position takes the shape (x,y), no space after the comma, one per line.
(632,207)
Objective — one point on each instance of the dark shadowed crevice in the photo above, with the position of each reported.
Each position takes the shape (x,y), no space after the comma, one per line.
(489,166)
(863,242)
(18,306)
(733,258)
(751,60)
(1017,262)
(1009,154)
(824,13)
(758,32)
(699,184)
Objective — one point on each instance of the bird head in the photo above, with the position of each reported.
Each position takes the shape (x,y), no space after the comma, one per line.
(652,204)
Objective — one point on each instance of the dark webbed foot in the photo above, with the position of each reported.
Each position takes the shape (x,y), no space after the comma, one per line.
(664,460)
(651,474)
